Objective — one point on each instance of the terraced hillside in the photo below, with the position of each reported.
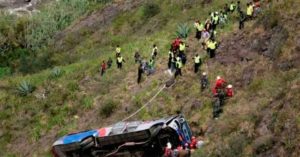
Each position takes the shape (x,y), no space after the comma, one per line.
(261,61)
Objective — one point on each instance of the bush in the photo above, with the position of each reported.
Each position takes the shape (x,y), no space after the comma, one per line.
(56,72)
(183,31)
(150,10)
(263,143)
(108,108)
(25,88)
(4,71)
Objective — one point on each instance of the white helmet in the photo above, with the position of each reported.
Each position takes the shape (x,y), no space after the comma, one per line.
(218,77)
(229,86)
(169,146)
(204,73)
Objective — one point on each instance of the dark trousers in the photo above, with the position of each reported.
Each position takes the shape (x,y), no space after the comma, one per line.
(198,34)
(169,63)
(119,65)
(139,78)
(241,24)
(196,67)
(102,72)
(211,52)
(178,72)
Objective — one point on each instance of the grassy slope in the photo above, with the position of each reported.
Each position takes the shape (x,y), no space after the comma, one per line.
(80,91)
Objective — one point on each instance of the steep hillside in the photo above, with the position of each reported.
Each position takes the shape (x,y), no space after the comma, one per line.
(261,61)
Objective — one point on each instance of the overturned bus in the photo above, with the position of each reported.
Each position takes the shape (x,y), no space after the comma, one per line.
(139,138)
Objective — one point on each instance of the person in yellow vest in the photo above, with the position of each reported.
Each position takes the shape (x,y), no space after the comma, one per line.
(232,7)
(197,63)
(181,54)
(250,10)
(199,28)
(182,47)
(211,48)
(154,51)
(215,20)
(118,50)
(120,61)
(178,67)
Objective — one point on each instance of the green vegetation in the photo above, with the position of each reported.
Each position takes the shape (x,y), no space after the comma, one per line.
(183,31)
(150,10)
(25,88)
(72,96)
(108,108)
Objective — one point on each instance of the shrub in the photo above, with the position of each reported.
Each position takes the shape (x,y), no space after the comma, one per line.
(4,71)
(263,143)
(183,31)
(150,10)
(56,72)
(25,88)
(108,108)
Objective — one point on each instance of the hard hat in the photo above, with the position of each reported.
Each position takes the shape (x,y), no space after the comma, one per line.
(218,77)
(217,12)
(169,145)
(229,86)
(193,137)
(204,73)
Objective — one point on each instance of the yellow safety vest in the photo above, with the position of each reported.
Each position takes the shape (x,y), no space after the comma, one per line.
(197,59)
(171,53)
(179,64)
(118,49)
(232,6)
(181,47)
(199,27)
(250,10)
(216,19)
(212,45)
(120,59)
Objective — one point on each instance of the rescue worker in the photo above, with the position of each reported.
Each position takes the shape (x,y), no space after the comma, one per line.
(229,91)
(232,7)
(219,90)
(220,83)
(199,28)
(168,150)
(178,67)
(181,54)
(211,48)
(182,47)
(242,19)
(151,66)
(197,63)
(171,56)
(204,81)
(109,62)
(250,10)
(103,68)
(193,144)
(223,18)
(257,8)
(215,20)
(118,50)
(219,93)
(154,51)
(120,61)
(175,44)
(137,57)
(226,8)
(140,72)
(238,7)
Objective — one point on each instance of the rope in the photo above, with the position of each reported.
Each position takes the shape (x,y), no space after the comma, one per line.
(139,110)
